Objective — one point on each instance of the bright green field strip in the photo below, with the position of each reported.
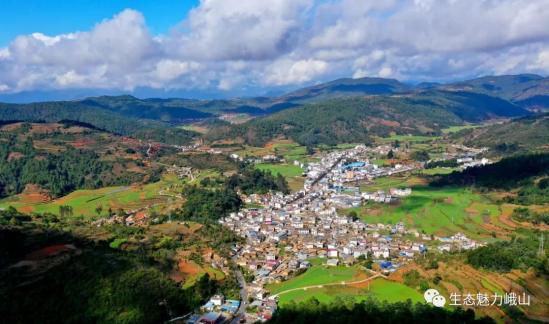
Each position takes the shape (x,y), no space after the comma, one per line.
(455,129)
(438,211)
(384,183)
(439,170)
(490,286)
(286,170)
(317,275)
(381,162)
(291,152)
(392,291)
(406,138)
(380,289)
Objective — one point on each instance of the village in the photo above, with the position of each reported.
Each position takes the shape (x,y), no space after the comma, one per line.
(291,229)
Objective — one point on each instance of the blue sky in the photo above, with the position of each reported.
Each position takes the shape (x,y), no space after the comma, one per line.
(227,48)
(20,17)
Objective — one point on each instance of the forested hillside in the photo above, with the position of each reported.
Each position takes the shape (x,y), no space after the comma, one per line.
(88,283)
(100,118)
(526,90)
(518,135)
(346,88)
(526,175)
(166,110)
(61,158)
(356,119)
(178,110)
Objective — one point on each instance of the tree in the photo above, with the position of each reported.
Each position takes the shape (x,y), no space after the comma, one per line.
(353,215)
(65,211)
(421,156)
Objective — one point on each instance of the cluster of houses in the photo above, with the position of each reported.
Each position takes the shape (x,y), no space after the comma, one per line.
(381,196)
(261,310)
(187,148)
(350,166)
(289,230)
(126,217)
(467,157)
(457,242)
(180,171)
(216,310)
(269,158)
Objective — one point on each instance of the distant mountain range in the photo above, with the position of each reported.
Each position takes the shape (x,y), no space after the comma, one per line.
(385,100)
(528,89)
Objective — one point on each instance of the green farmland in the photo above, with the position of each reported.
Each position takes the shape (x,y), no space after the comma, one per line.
(439,211)
(455,129)
(85,202)
(379,289)
(320,274)
(286,170)
(408,138)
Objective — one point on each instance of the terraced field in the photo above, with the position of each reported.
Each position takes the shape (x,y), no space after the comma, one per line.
(458,277)
(439,211)
(85,202)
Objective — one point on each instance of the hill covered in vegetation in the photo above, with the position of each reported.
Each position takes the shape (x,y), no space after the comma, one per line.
(179,110)
(166,110)
(357,119)
(346,87)
(518,135)
(72,279)
(60,158)
(526,174)
(110,121)
(527,90)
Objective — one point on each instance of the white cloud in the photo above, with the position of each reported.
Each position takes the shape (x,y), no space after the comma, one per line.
(241,44)
(167,70)
(542,60)
(241,29)
(385,72)
(286,71)
(4,53)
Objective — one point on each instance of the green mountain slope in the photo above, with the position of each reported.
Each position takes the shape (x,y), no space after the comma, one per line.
(356,119)
(178,110)
(527,90)
(519,135)
(166,110)
(100,118)
(346,87)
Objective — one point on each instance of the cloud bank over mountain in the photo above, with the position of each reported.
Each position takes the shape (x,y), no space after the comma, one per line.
(239,44)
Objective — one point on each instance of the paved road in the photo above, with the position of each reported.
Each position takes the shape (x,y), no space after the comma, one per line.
(342,283)
(243,294)
(320,177)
